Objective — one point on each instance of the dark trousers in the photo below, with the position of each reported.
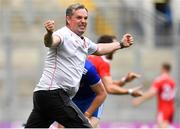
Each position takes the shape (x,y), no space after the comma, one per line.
(55,105)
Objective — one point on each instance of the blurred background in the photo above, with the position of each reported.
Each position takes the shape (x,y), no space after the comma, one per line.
(155,25)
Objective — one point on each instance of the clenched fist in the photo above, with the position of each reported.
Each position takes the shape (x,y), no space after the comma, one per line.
(126,41)
(49,25)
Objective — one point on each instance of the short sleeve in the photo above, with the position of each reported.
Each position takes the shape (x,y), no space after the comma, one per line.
(104,69)
(58,33)
(156,84)
(93,77)
(92,47)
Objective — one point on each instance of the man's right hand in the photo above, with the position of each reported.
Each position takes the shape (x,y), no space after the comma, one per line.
(49,25)
(49,39)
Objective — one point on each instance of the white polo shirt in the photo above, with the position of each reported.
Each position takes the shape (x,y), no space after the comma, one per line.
(64,65)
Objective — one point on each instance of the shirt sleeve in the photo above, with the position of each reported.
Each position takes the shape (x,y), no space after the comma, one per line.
(92,47)
(156,84)
(58,33)
(93,77)
(104,69)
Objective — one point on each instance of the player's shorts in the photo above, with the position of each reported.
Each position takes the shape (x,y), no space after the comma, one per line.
(166,115)
(83,105)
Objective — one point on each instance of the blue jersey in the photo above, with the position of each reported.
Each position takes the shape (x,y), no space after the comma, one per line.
(85,95)
(90,77)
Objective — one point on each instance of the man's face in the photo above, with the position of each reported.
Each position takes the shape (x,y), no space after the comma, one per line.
(78,21)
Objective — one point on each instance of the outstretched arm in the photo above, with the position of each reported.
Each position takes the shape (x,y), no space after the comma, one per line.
(105,48)
(128,78)
(49,39)
(113,88)
(147,95)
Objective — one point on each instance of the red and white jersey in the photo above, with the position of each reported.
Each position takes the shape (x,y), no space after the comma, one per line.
(102,65)
(165,87)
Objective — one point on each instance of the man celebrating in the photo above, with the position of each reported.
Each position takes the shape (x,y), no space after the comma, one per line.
(63,69)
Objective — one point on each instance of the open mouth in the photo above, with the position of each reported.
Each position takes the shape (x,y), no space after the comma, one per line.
(82,26)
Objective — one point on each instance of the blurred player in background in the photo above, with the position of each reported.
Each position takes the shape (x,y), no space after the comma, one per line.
(102,64)
(63,69)
(164,87)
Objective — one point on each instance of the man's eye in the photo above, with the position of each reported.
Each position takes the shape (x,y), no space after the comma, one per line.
(78,17)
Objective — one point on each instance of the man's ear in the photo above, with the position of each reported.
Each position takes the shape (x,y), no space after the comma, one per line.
(68,19)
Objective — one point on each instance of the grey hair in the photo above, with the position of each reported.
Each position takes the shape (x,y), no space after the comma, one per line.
(70,10)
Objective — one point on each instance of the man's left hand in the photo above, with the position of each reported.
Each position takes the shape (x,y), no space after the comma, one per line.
(126,41)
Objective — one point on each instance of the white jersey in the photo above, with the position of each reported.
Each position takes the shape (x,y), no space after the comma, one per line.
(64,65)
